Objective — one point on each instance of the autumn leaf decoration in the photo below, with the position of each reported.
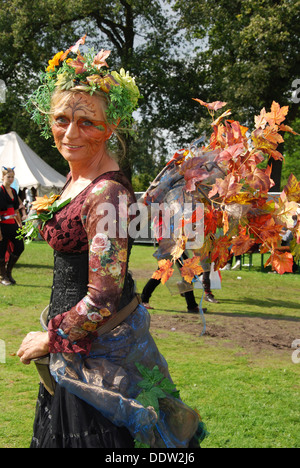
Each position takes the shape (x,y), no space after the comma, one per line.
(227,177)
(43,209)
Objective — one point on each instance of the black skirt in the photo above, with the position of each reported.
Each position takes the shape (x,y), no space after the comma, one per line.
(64,420)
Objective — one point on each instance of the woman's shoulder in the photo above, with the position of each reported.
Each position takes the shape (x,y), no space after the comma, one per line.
(110,184)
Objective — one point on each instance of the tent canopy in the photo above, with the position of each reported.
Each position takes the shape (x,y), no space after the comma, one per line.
(30,170)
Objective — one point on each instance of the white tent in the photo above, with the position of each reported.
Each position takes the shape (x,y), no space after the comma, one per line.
(30,170)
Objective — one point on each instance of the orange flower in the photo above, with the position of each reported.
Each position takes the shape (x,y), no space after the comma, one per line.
(44,203)
(122,255)
(55,61)
(89,326)
(105,312)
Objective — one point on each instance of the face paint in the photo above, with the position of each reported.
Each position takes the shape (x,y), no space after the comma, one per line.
(78,126)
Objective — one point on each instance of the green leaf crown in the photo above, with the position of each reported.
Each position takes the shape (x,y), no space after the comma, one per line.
(86,72)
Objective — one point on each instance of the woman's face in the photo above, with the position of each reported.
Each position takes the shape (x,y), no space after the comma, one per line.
(8,178)
(79,129)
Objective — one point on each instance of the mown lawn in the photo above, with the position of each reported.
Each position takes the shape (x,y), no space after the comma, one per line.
(246,400)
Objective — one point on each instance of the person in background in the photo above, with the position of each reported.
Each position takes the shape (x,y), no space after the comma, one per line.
(10,222)
(287,237)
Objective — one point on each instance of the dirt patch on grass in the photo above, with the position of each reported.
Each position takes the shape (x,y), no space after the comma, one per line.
(253,334)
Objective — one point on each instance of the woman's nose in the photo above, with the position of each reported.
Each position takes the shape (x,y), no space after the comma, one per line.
(72,130)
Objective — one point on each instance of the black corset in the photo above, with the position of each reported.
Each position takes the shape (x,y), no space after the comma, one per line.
(70,283)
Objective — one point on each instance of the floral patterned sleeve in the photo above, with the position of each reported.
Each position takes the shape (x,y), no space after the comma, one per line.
(104,217)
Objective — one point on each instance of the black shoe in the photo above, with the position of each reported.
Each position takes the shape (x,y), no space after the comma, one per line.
(210,298)
(196,310)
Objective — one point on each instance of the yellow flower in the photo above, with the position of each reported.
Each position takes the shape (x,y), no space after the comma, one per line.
(43,203)
(105,312)
(89,326)
(54,62)
(122,256)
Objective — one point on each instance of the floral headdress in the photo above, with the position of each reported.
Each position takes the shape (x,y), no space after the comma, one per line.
(87,72)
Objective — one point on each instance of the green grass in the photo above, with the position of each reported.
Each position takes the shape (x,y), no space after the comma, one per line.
(245,400)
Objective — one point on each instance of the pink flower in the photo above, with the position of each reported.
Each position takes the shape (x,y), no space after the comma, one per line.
(95,317)
(100,244)
(94,263)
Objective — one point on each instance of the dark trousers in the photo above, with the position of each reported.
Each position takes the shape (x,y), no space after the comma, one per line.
(9,233)
(152,285)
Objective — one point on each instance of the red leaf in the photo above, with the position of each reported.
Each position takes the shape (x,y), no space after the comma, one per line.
(214,106)
(226,187)
(260,180)
(242,244)
(281,262)
(231,153)
(220,253)
(211,219)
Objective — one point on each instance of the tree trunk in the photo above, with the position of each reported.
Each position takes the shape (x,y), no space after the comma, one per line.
(276,174)
(276,170)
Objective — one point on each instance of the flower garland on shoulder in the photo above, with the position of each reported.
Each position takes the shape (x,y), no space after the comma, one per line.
(65,73)
(43,209)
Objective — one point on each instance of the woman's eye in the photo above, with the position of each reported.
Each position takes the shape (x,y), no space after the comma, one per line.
(87,123)
(61,120)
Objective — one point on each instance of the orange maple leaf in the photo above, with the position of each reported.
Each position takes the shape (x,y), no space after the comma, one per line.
(179,248)
(281,262)
(165,271)
(191,268)
(265,229)
(277,114)
(242,244)
(260,120)
(286,128)
(285,211)
(292,189)
(226,187)
(214,106)
(219,119)
(220,253)
(259,179)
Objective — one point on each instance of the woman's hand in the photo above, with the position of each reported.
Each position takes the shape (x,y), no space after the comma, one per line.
(34,345)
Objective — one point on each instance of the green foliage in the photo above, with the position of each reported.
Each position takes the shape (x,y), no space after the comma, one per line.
(155,386)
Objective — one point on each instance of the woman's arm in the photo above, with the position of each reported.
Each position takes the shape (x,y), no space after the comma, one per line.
(108,244)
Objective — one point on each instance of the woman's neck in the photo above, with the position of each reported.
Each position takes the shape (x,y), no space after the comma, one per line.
(7,187)
(81,171)
(83,175)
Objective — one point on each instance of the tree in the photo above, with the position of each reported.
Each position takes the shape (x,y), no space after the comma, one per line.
(252,54)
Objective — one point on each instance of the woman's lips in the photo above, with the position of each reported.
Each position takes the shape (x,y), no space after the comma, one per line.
(72,147)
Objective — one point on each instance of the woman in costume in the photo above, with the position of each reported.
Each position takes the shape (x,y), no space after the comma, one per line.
(101,351)
(10,222)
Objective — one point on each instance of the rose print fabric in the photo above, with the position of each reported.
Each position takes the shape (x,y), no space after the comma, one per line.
(98,221)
